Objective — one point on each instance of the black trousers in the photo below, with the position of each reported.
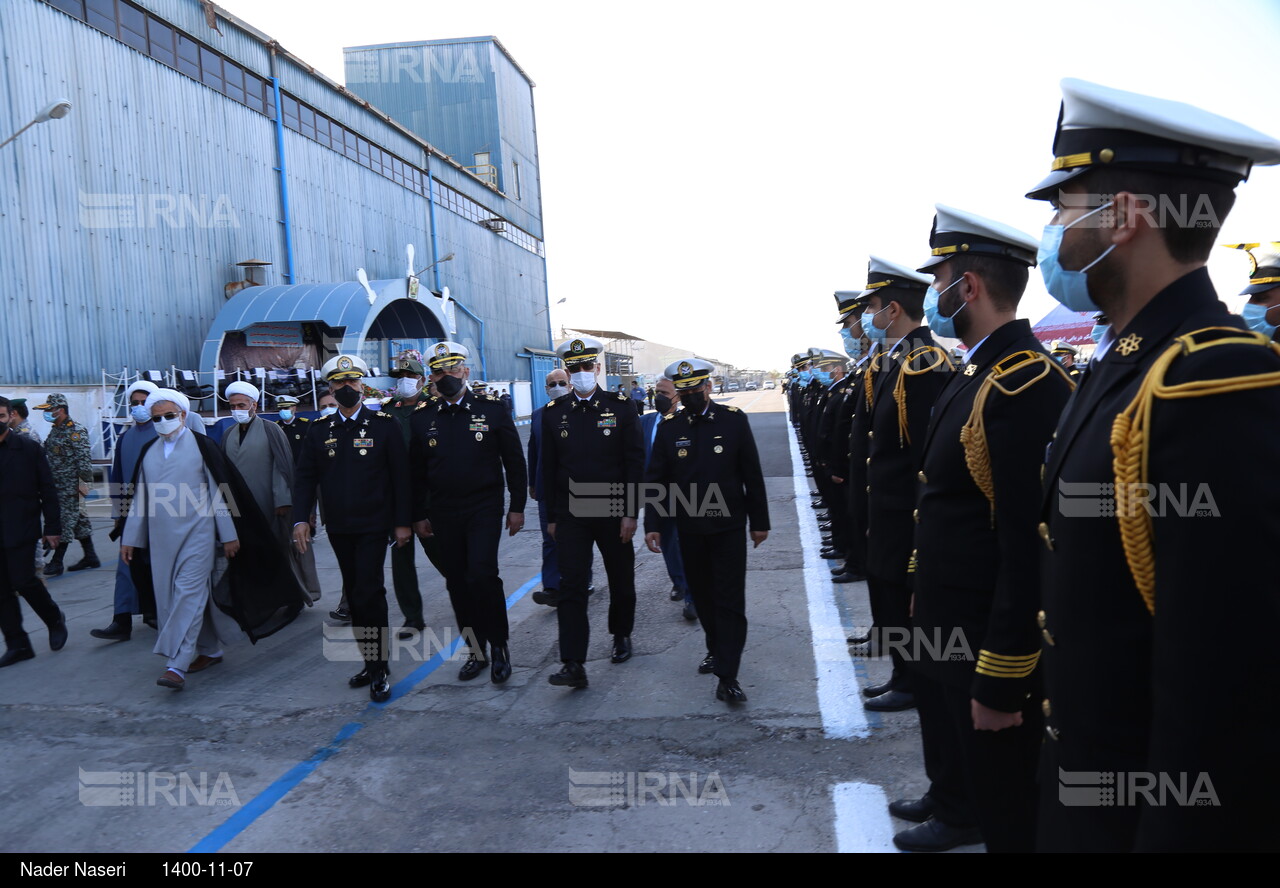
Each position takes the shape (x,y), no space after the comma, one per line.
(575,538)
(715,566)
(18,577)
(361,557)
(943,759)
(404,576)
(983,778)
(890,609)
(467,546)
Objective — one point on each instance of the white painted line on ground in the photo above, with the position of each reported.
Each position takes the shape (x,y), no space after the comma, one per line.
(862,819)
(839,700)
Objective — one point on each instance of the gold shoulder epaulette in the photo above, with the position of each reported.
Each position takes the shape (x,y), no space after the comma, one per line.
(669,416)
(973,435)
(621,396)
(421,404)
(925,359)
(1131,445)
(385,415)
(733,409)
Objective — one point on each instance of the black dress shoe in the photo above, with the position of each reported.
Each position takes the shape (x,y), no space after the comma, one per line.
(501,669)
(916,810)
(342,615)
(877,690)
(591,589)
(473,667)
(361,678)
(571,675)
(58,634)
(676,594)
(825,527)
(380,687)
(621,649)
(690,612)
(708,665)
(891,701)
(119,630)
(407,630)
(847,577)
(837,570)
(834,555)
(150,620)
(729,691)
(934,835)
(863,639)
(549,597)
(16,656)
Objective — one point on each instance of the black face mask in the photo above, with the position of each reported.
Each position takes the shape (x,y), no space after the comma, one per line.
(448,386)
(347,396)
(694,401)
(662,403)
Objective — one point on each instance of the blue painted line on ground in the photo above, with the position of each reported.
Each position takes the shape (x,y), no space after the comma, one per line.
(266,800)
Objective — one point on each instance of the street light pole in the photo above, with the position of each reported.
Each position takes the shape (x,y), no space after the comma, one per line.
(53,111)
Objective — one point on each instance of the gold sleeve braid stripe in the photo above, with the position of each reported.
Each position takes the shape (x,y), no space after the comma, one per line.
(1131,445)
(999,666)
(973,435)
(912,367)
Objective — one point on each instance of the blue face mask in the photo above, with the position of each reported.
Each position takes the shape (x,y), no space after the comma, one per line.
(943,325)
(852,344)
(328,411)
(823,377)
(1096,333)
(874,333)
(140,413)
(49,417)
(1071,288)
(804,378)
(1256,317)
(286,415)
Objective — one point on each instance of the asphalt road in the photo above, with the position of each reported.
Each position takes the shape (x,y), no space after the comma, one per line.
(270,751)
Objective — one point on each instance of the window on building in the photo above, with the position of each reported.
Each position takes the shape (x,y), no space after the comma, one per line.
(133,27)
(73,7)
(255,92)
(515,180)
(290,112)
(211,69)
(160,43)
(102,15)
(234,76)
(188,57)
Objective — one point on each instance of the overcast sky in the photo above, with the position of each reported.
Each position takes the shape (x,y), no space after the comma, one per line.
(712,172)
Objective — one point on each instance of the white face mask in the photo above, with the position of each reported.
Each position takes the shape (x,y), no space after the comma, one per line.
(328,411)
(168,426)
(557,390)
(583,383)
(241,416)
(408,386)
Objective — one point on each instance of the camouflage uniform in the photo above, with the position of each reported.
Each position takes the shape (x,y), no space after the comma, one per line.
(67,447)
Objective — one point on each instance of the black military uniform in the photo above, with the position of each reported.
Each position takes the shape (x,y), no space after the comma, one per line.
(1158,525)
(460,453)
(359,466)
(594,441)
(860,399)
(29,494)
(295,431)
(977,582)
(711,459)
(896,426)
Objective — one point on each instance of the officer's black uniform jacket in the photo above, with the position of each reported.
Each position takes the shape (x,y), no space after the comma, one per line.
(28,493)
(1131,690)
(591,441)
(693,453)
(856,445)
(361,467)
(895,451)
(977,563)
(460,454)
(295,433)
(830,452)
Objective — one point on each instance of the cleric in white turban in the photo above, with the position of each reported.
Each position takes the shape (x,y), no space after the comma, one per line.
(190,506)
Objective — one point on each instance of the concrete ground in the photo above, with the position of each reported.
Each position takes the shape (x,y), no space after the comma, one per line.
(271,751)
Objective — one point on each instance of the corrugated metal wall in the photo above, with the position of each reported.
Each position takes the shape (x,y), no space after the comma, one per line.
(120,224)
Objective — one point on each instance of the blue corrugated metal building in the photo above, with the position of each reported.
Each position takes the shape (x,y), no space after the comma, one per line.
(196,142)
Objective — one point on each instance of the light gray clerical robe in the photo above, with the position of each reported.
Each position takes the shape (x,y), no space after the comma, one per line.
(179,516)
